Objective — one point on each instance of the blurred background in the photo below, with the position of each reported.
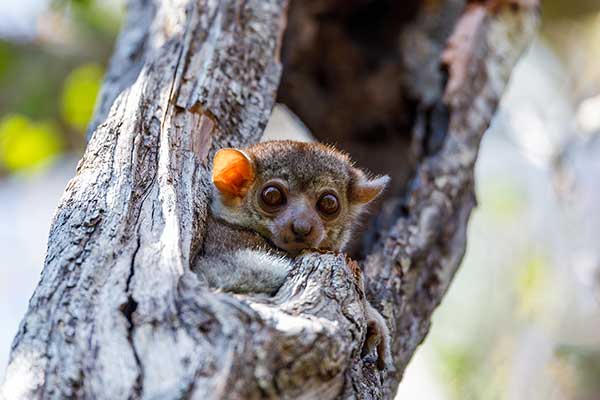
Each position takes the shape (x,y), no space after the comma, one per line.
(522,318)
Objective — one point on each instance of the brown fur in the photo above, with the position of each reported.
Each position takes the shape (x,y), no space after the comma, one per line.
(307,170)
(249,247)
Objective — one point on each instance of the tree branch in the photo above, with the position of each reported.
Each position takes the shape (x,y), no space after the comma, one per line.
(118,313)
(417,257)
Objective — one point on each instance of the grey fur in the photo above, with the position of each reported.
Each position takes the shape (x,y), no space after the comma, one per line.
(240,260)
(240,255)
(246,271)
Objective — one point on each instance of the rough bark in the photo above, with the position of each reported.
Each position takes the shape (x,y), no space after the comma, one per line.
(415,107)
(117,312)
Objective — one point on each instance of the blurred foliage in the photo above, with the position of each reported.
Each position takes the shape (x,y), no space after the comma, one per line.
(504,200)
(93,17)
(30,79)
(531,285)
(5,58)
(79,95)
(586,362)
(576,41)
(458,366)
(466,372)
(26,145)
(50,81)
(560,9)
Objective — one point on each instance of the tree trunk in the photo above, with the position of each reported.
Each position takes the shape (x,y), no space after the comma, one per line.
(407,90)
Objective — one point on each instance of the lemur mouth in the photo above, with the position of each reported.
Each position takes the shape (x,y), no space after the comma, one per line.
(294,246)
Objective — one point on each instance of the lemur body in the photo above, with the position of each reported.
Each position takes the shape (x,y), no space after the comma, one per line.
(240,260)
(273,200)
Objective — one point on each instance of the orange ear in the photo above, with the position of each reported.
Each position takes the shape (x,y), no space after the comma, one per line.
(233,172)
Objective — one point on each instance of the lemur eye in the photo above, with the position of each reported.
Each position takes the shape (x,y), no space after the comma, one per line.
(272,196)
(328,204)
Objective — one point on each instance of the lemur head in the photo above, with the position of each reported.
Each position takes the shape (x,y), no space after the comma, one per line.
(298,195)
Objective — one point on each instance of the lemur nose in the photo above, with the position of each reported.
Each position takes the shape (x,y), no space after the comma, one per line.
(301,228)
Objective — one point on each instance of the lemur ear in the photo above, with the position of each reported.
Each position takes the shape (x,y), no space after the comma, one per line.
(233,172)
(365,190)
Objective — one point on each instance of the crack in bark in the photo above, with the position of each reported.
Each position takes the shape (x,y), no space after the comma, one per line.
(127,309)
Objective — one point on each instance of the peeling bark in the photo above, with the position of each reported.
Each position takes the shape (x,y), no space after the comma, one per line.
(118,313)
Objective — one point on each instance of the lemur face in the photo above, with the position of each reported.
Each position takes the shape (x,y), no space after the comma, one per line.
(297,195)
(298,219)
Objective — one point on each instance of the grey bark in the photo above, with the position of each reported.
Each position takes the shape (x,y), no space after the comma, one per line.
(117,312)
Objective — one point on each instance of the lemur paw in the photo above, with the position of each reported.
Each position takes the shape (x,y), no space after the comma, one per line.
(377,340)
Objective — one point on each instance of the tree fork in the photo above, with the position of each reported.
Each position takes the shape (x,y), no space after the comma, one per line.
(118,313)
